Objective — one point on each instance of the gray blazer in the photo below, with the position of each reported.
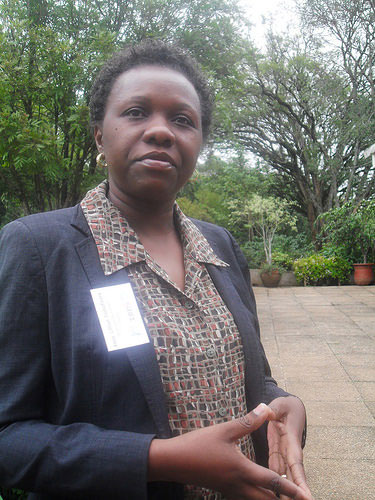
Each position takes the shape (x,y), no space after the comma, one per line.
(76,420)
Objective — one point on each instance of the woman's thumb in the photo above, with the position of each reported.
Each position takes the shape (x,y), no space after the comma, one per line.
(251,421)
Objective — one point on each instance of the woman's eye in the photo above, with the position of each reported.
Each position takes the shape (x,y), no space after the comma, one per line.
(135,113)
(184,120)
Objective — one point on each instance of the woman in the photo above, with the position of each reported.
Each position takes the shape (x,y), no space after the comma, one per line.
(95,403)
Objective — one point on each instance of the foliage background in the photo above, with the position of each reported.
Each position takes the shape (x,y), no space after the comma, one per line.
(290,122)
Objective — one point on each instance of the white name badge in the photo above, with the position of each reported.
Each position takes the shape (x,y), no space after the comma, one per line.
(119,316)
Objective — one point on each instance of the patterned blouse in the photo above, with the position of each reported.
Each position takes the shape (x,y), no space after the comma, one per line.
(197,344)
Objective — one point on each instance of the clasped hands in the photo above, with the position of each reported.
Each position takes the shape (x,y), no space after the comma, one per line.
(210,457)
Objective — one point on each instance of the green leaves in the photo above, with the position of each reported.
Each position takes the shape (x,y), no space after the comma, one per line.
(51,52)
(319,270)
(265,216)
(351,228)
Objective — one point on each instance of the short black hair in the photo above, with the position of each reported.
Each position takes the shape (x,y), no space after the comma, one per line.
(150,52)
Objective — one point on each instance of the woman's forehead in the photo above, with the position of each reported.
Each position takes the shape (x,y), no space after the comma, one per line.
(150,80)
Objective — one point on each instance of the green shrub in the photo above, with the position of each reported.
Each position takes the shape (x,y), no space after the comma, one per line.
(282,260)
(296,246)
(254,253)
(334,250)
(350,228)
(318,270)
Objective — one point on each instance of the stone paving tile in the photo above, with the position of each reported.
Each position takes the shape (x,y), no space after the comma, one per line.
(270,346)
(321,341)
(366,325)
(333,442)
(356,359)
(311,373)
(285,322)
(367,390)
(293,331)
(369,301)
(309,290)
(311,300)
(341,479)
(266,328)
(331,390)
(284,311)
(361,373)
(371,334)
(299,328)
(281,383)
(370,405)
(351,344)
(359,290)
(345,330)
(309,359)
(358,319)
(328,309)
(302,344)
(356,309)
(341,300)
(277,371)
(268,335)
(338,413)
(263,320)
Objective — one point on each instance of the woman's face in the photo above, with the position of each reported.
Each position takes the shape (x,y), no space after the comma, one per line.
(151,134)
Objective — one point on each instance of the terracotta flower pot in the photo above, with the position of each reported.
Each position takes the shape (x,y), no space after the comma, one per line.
(270,278)
(363,274)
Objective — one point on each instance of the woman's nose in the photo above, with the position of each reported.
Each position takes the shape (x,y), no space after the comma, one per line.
(159,132)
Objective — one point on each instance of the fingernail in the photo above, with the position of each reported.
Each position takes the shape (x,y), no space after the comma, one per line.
(260,409)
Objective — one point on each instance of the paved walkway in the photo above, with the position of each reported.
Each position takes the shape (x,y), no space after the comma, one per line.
(320,342)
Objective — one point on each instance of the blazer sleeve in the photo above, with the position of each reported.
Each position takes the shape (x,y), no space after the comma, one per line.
(79,459)
(272,390)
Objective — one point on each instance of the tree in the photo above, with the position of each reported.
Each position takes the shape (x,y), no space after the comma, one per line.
(348,27)
(216,183)
(265,216)
(295,113)
(307,111)
(50,54)
(350,229)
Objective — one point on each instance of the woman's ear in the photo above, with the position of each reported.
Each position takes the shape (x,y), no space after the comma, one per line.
(98,135)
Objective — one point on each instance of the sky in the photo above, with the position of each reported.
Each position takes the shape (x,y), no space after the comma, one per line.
(280,11)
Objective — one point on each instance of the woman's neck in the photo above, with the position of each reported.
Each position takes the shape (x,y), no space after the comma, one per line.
(146,218)
(156,230)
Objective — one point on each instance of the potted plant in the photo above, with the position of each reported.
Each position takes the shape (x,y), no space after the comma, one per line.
(352,228)
(264,216)
(270,274)
(365,217)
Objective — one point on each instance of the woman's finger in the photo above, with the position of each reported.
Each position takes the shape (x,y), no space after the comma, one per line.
(297,472)
(249,422)
(295,465)
(288,475)
(276,462)
(278,485)
(276,458)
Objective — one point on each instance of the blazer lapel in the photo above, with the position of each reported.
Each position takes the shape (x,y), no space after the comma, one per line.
(141,357)
(245,324)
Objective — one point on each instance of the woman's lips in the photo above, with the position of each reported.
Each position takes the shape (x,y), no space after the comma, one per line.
(157,159)
(157,164)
